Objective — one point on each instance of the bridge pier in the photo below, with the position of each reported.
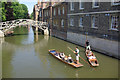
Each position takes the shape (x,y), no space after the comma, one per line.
(36,29)
(1,34)
(46,32)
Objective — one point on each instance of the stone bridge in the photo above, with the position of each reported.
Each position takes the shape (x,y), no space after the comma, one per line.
(5,27)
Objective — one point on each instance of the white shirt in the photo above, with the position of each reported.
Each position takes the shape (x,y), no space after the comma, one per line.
(88,47)
(63,55)
(90,53)
(92,57)
(69,57)
(77,50)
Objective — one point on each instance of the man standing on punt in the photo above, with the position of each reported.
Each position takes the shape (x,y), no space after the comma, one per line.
(77,54)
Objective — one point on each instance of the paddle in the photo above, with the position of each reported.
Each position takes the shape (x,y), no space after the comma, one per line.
(82,58)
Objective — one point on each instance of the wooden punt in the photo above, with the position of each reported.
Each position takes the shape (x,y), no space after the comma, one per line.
(95,64)
(73,64)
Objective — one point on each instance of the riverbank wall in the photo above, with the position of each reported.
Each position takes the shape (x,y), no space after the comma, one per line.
(107,47)
(1,34)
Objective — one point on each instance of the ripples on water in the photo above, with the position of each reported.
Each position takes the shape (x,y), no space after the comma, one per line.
(25,55)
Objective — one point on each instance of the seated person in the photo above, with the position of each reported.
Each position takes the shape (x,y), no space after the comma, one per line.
(70,59)
(89,53)
(66,59)
(57,54)
(62,55)
(93,59)
(87,50)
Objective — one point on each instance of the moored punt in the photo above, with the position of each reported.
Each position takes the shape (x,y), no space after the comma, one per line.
(73,64)
(93,62)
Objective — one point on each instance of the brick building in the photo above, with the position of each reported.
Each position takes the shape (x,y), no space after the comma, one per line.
(59,13)
(97,22)
(77,22)
(36,10)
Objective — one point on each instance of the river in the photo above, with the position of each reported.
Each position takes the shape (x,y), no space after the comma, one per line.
(25,55)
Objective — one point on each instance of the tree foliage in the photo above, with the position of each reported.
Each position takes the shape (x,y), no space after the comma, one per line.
(2,11)
(31,16)
(19,11)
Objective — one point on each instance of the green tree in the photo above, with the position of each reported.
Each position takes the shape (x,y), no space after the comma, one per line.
(13,10)
(2,11)
(31,16)
(17,10)
(25,11)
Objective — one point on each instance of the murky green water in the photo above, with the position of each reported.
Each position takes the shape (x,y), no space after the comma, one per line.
(25,55)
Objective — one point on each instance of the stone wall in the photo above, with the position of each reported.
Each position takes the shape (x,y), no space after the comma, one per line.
(104,46)
(1,34)
(59,34)
(1,41)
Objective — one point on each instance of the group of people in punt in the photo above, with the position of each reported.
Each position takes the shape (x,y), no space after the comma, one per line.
(63,57)
(69,59)
(89,53)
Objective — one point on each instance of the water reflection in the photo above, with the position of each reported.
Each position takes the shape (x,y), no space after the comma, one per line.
(26,56)
(1,42)
(30,38)
(36,36)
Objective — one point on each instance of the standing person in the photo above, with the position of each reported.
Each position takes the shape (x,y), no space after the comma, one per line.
(87,45)
(77,54)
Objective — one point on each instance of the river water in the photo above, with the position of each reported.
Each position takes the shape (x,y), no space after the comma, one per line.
(25,55)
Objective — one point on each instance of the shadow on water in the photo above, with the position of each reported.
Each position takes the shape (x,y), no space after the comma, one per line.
(19,34)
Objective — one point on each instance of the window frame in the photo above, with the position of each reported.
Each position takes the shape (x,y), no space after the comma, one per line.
(62,23)
(59,12)
(114,4)
(93,4)
(71,6)
(40,13)
(71,22)
(111,22)
(80,5)
(80,22)
(63,10)
(94,16)
(47,12)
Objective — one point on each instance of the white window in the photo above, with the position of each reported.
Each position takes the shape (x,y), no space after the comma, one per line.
(40,13)
(81,4)
(47,13)
(114,22)
(62,23)
(54,11)
(71,6)
(95,3)
(81,22)
(63,11)
(71,22)
(115,2)
(94,22)
(54,23)
(59,11)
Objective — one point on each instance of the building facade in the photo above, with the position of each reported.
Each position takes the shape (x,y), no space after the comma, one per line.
(59,13)
(97,22)
(36,10)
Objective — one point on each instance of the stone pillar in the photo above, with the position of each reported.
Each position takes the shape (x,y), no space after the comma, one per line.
(1,34)
(36,29)
(36,36)
(46,32)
